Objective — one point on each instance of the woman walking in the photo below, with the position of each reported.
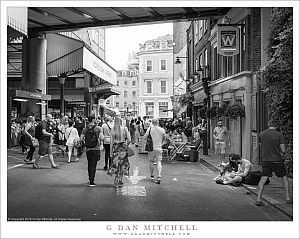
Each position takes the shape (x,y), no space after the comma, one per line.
(71,135)
(29,132)
(120,164)
(132,130)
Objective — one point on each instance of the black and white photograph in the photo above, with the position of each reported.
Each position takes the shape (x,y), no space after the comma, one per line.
(155,119)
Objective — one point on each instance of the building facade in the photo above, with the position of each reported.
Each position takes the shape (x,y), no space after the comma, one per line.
(232,80)
(156,77)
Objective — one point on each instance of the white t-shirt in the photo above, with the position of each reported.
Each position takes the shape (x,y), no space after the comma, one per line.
(71,134)
(157,133)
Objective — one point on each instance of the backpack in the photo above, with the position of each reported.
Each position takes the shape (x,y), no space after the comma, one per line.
(91,138)
(38,131)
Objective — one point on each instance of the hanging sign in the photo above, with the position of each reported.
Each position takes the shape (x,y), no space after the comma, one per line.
(228,40)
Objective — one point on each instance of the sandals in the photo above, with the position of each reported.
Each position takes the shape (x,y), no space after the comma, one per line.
(158,180)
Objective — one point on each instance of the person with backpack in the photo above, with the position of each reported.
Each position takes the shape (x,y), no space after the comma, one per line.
(91,136)
(107,141)
(43,132)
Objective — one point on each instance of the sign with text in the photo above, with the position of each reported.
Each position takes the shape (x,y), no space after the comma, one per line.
(228,40)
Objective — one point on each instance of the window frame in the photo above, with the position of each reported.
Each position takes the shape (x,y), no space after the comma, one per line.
(160,65)
(166,86)
(147,65)
(146,87)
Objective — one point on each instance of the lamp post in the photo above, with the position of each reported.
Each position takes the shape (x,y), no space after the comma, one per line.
(62,79)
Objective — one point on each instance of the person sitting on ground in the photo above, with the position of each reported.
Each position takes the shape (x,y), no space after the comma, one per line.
(236,177)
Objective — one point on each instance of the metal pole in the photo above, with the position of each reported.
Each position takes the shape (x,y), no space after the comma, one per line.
(62,96)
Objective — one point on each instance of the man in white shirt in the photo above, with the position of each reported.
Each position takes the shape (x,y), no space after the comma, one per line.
(107,141)
(157,133)
(221,136)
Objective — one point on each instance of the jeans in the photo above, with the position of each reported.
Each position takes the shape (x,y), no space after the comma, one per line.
(93,156)
(107,155)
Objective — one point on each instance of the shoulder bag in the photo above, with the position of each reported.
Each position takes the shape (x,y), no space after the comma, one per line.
(107,138)
(149,143)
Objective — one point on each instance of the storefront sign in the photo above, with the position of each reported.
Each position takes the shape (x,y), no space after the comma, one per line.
(30,95)
(100,87)
(228,40)
(99,68)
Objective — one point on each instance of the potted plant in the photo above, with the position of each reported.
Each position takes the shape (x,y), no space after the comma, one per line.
(236,110)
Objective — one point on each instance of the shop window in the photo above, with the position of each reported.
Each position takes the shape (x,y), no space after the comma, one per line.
(149,109)
(163,107)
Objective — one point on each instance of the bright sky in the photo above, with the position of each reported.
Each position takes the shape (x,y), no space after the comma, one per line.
(120,41)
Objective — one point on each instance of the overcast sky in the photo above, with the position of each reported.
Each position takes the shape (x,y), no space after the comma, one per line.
(120,41)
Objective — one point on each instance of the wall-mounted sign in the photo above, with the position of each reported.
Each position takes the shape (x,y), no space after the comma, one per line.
(228,40)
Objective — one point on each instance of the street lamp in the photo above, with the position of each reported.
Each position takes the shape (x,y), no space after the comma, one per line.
(178,61)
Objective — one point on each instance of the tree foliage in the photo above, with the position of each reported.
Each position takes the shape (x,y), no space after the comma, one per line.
(277,77)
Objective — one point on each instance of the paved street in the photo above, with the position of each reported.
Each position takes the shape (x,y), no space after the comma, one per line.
(187,193)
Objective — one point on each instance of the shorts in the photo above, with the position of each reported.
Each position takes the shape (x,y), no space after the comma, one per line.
(44,148)
(93,154)
(155,156)
(220,147)
(277,167)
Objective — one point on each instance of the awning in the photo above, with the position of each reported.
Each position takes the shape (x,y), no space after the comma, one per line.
(21,94)
(66,55)
(182,110)
(109,111)
(104,90)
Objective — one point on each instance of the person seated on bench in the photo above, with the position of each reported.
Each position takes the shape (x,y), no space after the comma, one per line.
(244,168)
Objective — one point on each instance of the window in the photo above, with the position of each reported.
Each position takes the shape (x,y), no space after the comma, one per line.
(107,102)
(131,73)
(123,73)
(163,65)
(148,87)
(125,93)
(163,87)
(149,66)
(125,104)
(163,109)
(118,83)
(149,109)
(117,104)
(133,93)
(133,83)
(134,104)
(125,82)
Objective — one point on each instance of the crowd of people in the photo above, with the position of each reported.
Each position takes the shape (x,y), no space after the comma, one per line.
(115,136)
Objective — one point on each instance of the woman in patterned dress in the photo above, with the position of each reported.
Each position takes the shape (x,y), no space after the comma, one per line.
(120,163)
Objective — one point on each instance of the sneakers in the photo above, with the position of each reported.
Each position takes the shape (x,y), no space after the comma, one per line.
(158,180)
(56,166)
(259,203)
(92,184)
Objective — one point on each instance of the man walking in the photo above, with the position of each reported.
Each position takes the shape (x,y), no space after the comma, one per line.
(45,137)
(221,137)
(273,148)
(91,134)
(157,133)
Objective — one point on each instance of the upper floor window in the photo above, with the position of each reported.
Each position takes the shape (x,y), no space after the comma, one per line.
(125,104)
(148,87)
(131,73)
(149,66)
(125,93)
(133,93)
(117,104)
(117,96)
(163,65)
(125,82)
(107,102)
(163,87)
(123,73)
(118,83)
(133,83)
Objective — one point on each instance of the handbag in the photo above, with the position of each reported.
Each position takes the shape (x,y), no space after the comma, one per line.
(130,151)
(35,142)
(107,138)
(149,143)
